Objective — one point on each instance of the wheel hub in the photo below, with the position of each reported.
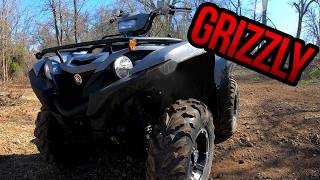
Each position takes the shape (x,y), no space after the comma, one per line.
(235,113)
(199,155)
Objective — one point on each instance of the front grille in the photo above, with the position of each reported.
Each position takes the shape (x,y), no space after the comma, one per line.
(82,62)
(68,91)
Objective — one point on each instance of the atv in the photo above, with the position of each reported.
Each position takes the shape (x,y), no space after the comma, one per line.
(171,99)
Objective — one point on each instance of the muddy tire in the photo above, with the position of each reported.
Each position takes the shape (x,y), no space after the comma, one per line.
(227,126)
(182,144)
(55,142)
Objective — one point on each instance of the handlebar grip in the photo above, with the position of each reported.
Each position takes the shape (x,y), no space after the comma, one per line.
(189,9)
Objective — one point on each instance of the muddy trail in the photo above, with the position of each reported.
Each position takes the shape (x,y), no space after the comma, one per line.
(278,137)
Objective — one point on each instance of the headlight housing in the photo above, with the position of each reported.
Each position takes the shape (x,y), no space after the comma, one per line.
(122,65)
(129,24)
(47,71)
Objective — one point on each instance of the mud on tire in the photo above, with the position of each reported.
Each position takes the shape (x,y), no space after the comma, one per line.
(56,143)
(228,124)
(183,143)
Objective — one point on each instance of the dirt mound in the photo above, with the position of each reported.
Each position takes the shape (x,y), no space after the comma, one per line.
(10,98)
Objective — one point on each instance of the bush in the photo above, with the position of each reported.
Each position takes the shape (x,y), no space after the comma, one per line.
(314,72)
(15,67)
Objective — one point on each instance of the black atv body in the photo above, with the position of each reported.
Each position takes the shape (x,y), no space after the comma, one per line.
(80,91)
(163,73)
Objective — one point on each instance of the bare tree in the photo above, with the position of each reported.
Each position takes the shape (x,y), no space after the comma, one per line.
(66,16)
(8,25)
(168,24)
(233,5)
(79,30)
(237,6)
(302,7)
(54,11)
(312,23)
(101,25)
(13,28)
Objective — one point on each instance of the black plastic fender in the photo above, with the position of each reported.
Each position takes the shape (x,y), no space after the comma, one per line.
(154,66)
(222,71)
(37,66)
(114,94)
(41,88)
(181,52)
(178,53)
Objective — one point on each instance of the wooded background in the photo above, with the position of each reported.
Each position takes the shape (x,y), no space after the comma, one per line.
(66,21)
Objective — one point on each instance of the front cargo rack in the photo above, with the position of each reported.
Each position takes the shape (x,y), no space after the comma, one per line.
(105,43)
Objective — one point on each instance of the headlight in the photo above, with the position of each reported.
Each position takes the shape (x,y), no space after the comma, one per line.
(122,25)
(122,66)
(47,71)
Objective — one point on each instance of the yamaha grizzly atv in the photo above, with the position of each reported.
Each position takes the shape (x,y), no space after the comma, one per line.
(161,92)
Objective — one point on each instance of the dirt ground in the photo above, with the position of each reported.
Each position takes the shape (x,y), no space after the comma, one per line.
(278,137)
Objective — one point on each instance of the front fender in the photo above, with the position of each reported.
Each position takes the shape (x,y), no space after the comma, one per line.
(222,71)
(114,94)
(37,66)
(177,52)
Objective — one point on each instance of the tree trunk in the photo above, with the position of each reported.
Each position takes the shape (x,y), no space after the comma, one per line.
(255,10)
(61,22)
(75,5)
(1,47)
(264,11)
(3,40)
(55,21)
(5,49)
(299,27)
(239,8)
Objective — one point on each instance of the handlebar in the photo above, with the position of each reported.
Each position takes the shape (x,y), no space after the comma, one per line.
(172,9)
(160,11)
(179,8)
(167,10)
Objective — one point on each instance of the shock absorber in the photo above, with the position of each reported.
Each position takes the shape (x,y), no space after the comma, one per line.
(147,135)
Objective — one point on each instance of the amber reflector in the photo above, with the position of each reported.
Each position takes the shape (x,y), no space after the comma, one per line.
(132,45)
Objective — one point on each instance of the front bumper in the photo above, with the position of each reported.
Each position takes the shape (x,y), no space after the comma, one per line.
(103,100)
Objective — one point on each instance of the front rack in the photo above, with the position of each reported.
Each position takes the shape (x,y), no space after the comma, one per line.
(106,43)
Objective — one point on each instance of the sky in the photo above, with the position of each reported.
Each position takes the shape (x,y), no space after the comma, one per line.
(280,12)
(90,5)
(283,16)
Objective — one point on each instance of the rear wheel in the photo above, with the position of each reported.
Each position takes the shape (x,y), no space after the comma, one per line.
(227,126)
(183,143)
(56,143)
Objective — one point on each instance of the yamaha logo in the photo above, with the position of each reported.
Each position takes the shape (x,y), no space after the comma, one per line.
(77,79)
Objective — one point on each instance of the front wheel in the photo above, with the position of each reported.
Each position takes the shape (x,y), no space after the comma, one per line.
(183,143)
(55,142)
